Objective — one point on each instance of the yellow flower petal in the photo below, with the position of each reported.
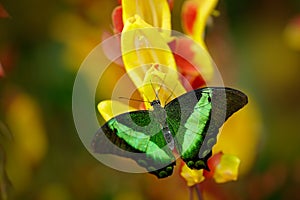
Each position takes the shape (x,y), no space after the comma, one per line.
(110,108)
(24,121)
(195,15)
(240,136)
(205,9)
(160,85)
(227,169)
(192,176)
(30,143)
(146,56)
(154,12)
(143,44)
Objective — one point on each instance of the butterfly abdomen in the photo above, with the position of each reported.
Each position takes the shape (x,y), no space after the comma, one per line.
(160,116)
(168,137)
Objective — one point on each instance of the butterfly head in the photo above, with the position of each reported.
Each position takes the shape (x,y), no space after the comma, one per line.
(155,102)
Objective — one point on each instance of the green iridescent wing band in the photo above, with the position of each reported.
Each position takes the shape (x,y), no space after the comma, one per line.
(194,120)
(138,136)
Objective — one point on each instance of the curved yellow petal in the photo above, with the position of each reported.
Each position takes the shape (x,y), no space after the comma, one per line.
(196,14)
(240,136)
(154,12)
(227,169)
(204,9)
(192,176)
(142,44)
(110,108)
(149,61)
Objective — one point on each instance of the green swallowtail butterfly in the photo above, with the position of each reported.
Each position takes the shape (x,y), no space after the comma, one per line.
(188,124)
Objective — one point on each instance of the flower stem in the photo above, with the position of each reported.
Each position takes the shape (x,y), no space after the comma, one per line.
(191,193)
(198,192)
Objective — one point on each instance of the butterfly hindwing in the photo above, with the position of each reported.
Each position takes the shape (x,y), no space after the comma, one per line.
(195,118)
(136,135)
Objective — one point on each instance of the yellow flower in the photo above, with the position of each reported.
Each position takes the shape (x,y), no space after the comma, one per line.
(146,55)
(150,65)
(154,12)
(195,14)
(191,176)
(149,61)
(23,117)
(227,169)
(109,108)
(223,168)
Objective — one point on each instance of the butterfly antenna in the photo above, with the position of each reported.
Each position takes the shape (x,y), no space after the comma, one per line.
(156,94)
(135,99)
(161,84)
(171,93)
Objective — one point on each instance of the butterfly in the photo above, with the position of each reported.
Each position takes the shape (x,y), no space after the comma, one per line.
(188,125)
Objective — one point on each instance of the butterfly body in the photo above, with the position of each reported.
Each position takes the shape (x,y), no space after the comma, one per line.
(160,115)
(189,124)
